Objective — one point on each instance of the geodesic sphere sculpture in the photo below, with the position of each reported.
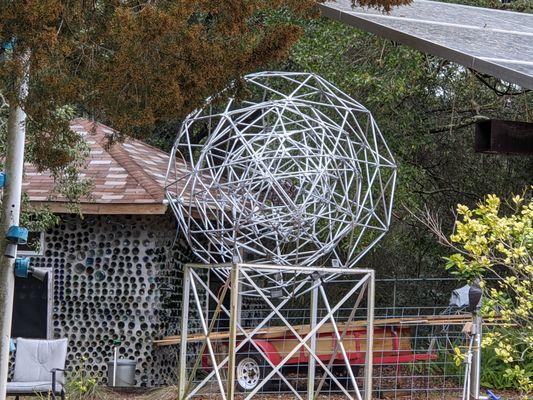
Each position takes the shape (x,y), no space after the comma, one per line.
(282,176)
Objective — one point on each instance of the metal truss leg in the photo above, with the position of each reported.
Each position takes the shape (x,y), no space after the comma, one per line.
(182,377)
(344,331)
(205,329)
(341,344)
(234,318)
(247,339)
(369,336)
(311,363)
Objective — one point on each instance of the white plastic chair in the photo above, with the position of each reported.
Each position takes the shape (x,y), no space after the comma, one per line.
(39,368)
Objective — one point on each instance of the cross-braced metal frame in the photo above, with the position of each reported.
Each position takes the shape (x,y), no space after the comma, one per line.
(282,176)
(223,368)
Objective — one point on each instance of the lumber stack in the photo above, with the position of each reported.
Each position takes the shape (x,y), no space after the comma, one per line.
(280,331)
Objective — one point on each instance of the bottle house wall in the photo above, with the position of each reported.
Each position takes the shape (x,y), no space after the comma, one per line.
(115,278)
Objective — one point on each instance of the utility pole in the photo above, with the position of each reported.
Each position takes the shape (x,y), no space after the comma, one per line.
(16,135)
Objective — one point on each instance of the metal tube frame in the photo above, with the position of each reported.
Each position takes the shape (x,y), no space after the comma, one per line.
(247,335)
(244,272)
(285,174)
(240,345)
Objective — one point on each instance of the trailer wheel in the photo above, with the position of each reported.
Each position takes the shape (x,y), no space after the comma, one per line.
(250,370)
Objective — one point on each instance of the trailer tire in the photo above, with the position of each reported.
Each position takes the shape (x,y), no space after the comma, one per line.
(250,370)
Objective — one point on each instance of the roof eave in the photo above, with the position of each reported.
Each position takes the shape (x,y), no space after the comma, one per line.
(59,207)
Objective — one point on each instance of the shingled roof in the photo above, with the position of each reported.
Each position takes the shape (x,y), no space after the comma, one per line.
(128,177)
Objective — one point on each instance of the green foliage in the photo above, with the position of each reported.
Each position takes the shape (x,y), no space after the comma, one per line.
(132,64)
(67,180)
(81,385)
(489,242)
(34,219)
(494,373)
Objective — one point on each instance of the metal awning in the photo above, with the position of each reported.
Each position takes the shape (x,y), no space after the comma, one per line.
(494,42)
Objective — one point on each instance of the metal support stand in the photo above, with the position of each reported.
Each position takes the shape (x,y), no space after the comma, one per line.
(234,317)
(471,389)
(304,341)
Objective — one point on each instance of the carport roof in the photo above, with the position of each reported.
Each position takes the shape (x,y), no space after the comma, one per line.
(494,42)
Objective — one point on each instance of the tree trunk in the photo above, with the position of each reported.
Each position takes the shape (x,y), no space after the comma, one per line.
(16,133)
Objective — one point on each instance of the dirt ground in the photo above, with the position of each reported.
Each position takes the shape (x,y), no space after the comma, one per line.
(287,396)
(161,395)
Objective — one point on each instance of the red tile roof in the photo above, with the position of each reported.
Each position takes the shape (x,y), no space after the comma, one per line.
(130,173)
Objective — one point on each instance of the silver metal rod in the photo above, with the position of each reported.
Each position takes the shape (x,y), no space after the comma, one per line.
(311,364)
(272,267)
(182,377)
(364,288)
(341,345)
(216,368)
(369,337)
(475,369)
(468,368)
(233,319)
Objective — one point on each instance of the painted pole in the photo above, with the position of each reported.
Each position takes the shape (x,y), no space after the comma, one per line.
(234,317)
(182,379)
(313,310)
(16,135)
(371,288)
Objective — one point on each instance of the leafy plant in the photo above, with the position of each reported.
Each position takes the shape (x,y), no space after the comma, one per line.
(494,373)
(82,385)
(491,243)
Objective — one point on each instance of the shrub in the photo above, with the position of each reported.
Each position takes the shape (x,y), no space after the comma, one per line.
(490,243)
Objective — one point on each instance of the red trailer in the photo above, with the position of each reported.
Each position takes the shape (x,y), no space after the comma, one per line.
(392,346)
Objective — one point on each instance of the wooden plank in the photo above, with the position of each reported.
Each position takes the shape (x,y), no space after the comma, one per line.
(280,331)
